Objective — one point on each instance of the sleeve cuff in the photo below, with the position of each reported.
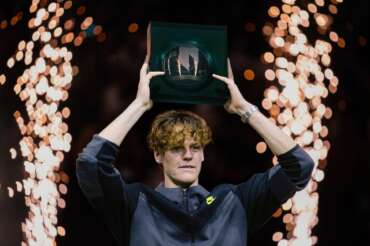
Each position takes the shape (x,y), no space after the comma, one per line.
(289,152)
(297,165)
(280,185)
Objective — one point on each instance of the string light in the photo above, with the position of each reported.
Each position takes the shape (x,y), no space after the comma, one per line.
(43,87)
(301,70)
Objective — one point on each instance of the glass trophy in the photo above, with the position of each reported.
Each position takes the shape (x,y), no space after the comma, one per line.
(188,54)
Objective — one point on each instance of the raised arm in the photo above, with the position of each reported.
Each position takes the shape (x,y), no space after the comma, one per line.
(101,183)
(118,129)
(276,139)
(263,193)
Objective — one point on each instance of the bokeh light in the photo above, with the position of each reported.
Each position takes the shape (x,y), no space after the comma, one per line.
(300,68)
(42,87)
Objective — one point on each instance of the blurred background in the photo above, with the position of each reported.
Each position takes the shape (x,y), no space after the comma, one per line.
(106,83)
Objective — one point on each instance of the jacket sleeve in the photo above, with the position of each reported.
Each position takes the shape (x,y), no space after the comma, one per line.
(264,192)
(103,186)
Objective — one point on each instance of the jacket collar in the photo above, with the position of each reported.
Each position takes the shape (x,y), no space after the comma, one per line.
(195,195)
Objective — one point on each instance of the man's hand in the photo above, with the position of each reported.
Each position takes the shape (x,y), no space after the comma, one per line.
(143,91)
(117,130)
(237,103)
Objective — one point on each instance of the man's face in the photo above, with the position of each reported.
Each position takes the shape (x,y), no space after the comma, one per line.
(181,164)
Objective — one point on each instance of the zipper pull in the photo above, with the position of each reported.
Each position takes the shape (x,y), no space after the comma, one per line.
(185,199)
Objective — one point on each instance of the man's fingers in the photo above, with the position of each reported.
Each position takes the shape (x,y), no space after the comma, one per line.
(150,104)
(226,105)
(229,70)
(222,78)
(154,74)
(144,68)
(146,59)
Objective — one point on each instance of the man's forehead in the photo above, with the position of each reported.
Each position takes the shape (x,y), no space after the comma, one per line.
(191,140)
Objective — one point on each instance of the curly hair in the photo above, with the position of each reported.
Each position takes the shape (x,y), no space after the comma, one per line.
(170,129)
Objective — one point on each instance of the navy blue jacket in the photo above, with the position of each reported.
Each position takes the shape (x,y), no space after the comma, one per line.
(140,216)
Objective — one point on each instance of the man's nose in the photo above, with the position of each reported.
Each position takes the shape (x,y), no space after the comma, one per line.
(188,154)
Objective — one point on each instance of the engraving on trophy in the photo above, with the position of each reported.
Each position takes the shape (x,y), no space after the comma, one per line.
(186,62)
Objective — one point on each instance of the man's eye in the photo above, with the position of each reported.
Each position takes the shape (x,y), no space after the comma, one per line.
(197,147)
(176,149)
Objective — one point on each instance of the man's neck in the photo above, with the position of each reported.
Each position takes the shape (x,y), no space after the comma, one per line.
(171,184)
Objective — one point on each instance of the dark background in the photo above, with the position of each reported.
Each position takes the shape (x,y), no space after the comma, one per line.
(107,83)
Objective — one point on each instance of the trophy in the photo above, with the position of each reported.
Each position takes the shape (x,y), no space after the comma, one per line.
(188,54)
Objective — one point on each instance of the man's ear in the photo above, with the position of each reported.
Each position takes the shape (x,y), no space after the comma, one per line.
(202,153)
(158,157)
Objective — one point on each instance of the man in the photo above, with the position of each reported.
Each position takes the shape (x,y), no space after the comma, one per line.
(180,211)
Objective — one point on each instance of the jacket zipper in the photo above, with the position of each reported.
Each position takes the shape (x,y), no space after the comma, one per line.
(186,205)
(185,200)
